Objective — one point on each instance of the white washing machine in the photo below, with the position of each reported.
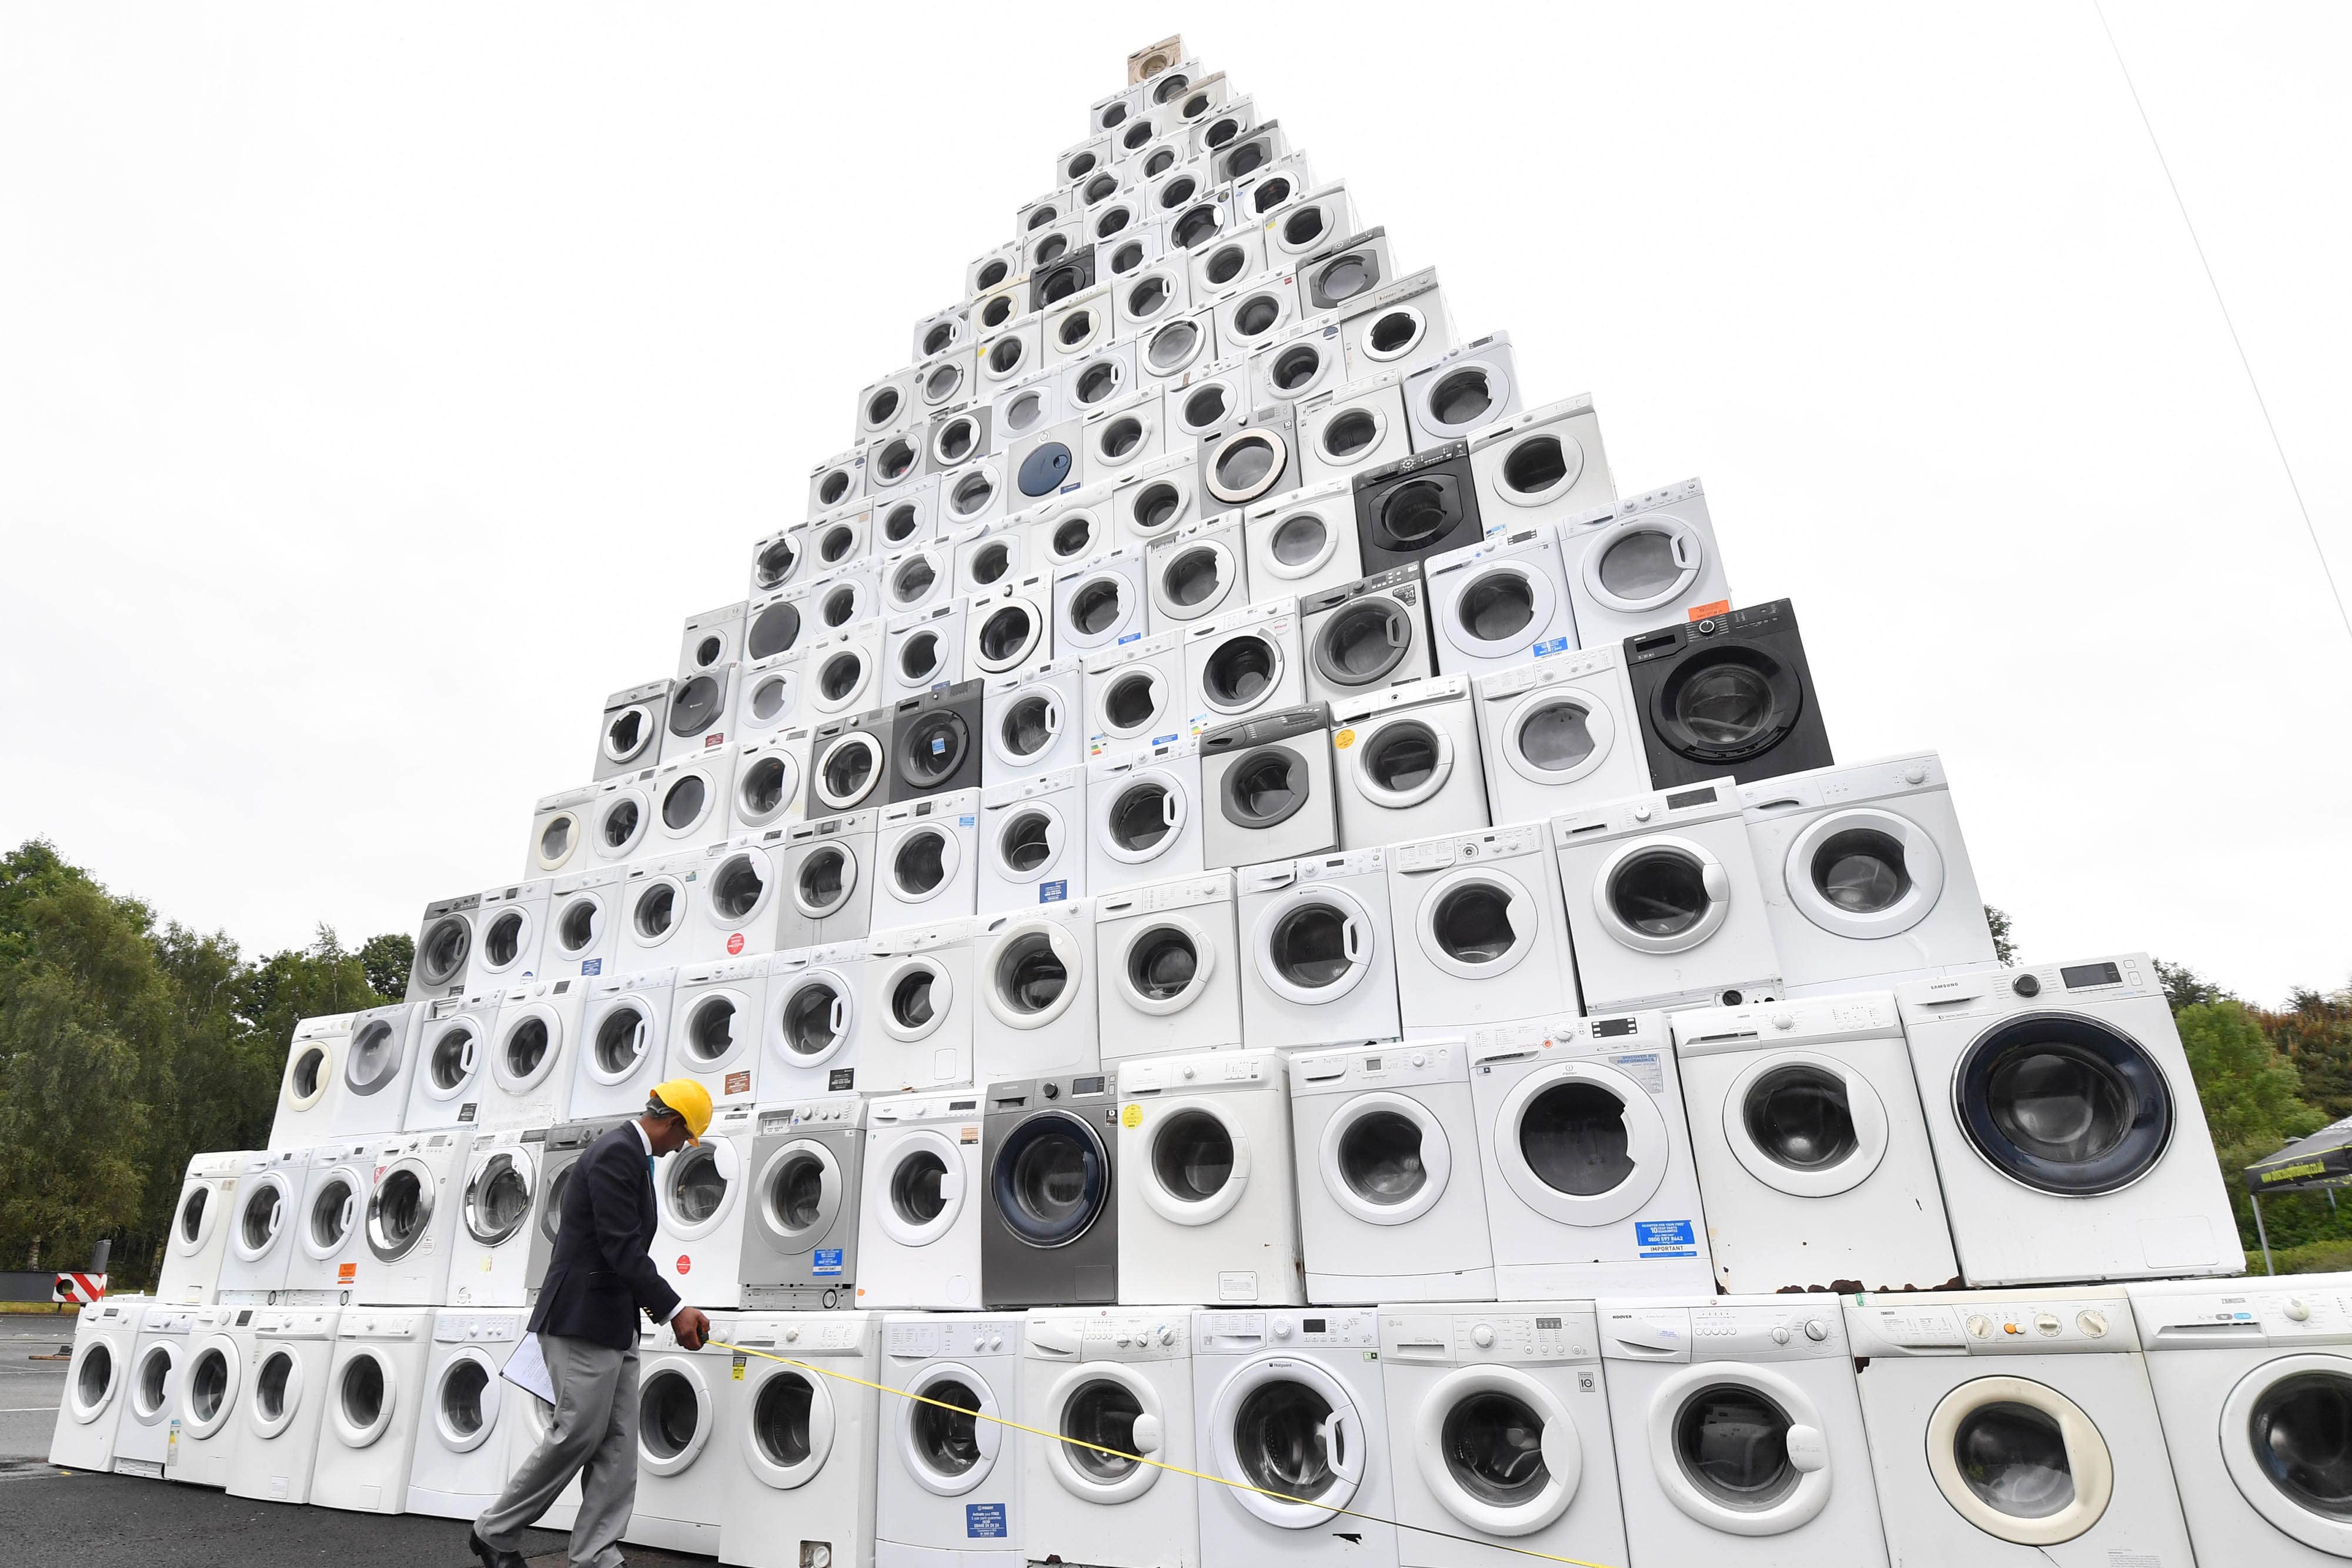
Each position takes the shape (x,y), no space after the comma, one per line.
(988,558)
(1266,790)
(311,1090)
(1319,950)
(202,1219)
(2253,1382)
(712,638)
(106,1335)
(657,899)
(1033,841)
(699,1244)
(1543,465)
(532,1047)
(1644,563)
(692,797)
(1407,763)
(622,816)
(1160,499)
(926,859)
(1353,429)
(147,1436)
(1200,572)
(1590,1187)
(1504,1416)
(842,672)
(286,1400)
(584,923)
(948,1477)
(686,1405)
(261,1225)
(922,651)
(918,1214)
(1143,817)
(2019,1428)
(623,1042)
(1209,1211)
(1500,602)
(375,1408)
(1032,722)
(1560,735)
(1366,634)
(1390,1207)
(1245,663)
(460,1466)
(1865,875)
(1305,542)
(714,1028)
(769,702)
(1663,903)
(1118,1379)
(799,1237)
(917,1008)
(812,1032)
(825,874)
(412,1221)
(329,1225)
(1033,972)
(489,1254)
(1102,603)
(2066,1127)
(212,1394)
(801,1490)
(1134,696)
(629,736)
(1168,967)
(513,932)
(1739,1435)
(1475,386)
(771,784)
(1481,936)
(1290,1402)
(559,832)
(1009,630)
(454,1036)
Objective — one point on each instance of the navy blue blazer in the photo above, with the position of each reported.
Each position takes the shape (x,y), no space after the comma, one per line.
(600,1276)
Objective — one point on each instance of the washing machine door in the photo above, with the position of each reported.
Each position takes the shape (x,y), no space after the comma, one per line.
(2063,1103)
(1740,1448)
(826,878)
(1266,785)
(1476,922)
(333,1213)
(215,1375)
(1288,1425)
(1499,610)
(1417,516)
(400,1209)
(1198,579)
(1006,637)
(1111,1405)
(931,749)
(1865,873)
(1163,964)
(1498,1450)
(309,1071)
(699,1188)
(788,1427)
(715,1034)
(442,951)
(1664,893)
(674,1417)
(1051,1178)
(1036,970)
(1644,563)
(1582,1143)
(94,1379)
(450,1063)
(1196,1160)
(1028,726)
(365,1398)
(814,1018)
(375,1067)
(2020,1460)
(1725,703)
(261,1212)
(917,996)
(1027,841)
(529,1048)
(841,678)
(551,1211)
(1361,643)
(797,1196)
(1135,702)
(1385,1158)
(1240,671)
(1558,735)
(1314,945)
(498,1198)
(1299,545)
(276,1399)
(2283,1442)
(1106,604)
(848,771)
(1805,1123)
(623,818)
(949,1452)
(918,1186)
(465,1400)
(628,1034)
(1142,817)
(924,861)
(773,698)
(1398,763)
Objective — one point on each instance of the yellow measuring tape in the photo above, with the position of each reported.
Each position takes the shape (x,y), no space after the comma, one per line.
(1155,1464)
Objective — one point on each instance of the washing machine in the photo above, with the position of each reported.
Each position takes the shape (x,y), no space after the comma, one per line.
(922,651)
(1367,634)
(1867,877)
(454,1036)
(919,1212)
(1547,465)
(714,1030)
(584,923)
(842,672)
(1209,1211)
(1033,972)
(1048,1220)
(771,784)
(1727,694)
(1422,505)
(806,1172)
(1482,937)
(620,818)
(1199,573)
(811,1026)
(2251,1384)
(1665,906)
(1499,603)
(948,1481)
(701,706)
(1143,817)
(1168,967)
(1390,1207)
(260,1227)
(1560,735)
(629,735)
(445,948)
(1355,428)
(2066,1125)
(774,628)
(285,1404)
(511,932)
(146,1439)
(412,1221)
(623,1042)
(989,557)
(1102,604)
(202,1219)
(559,832)
(1739,1435)
(713,638)
(825,871)
(1303,543)
(801,1490)
(935,742)
(375,1408)
(1590,1186)
(460,1466)
(310,1091)
(489,1253)
(1072,528)
(1119,1382)
(1266,789)
(536,1037)
(1649,561)
(377,1067)
(849,764)
(1308,225)
(1031,722)
(687,1424)
(1467,390)
(1252,457)
(657,909)
(90,1413)
(1503,1412)
(917,1007)
(1406,761)
(1210,269)
(926,859)
(1009,630)
(329,1224)
(1033,841)
(690,799)
(1319,962)
(209,1424)
(565,1145)
(1134,696)
(2021,1427)
(699,1191)
(1161,500)
(1245,663)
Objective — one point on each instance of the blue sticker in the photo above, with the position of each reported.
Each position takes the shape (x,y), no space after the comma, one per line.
(966,821)
(1666,1238)
(1129,637)
(1551,645)
(1162,740)
(1052,891)
(939,744)
(828,1260)
(983,1521)
(591,966)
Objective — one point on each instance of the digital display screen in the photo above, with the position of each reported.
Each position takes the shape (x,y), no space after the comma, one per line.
(1547,1323)
(2083,974)
(954,1105)
(1681,798)
(1372,1064)
(1609,1029)
(1087,1085)
(1314,1325)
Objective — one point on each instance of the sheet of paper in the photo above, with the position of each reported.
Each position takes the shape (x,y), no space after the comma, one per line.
(527,1369)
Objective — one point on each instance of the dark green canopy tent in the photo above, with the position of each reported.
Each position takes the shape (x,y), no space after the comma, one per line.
(2321,1162)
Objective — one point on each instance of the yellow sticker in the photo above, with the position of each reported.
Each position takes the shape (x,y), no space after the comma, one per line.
(736,1370)
(1131,1116)
(1344,739)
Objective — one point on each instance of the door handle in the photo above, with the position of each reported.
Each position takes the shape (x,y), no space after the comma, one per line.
(837,1018)
(1400,635)
(1351,941)
(1169,810)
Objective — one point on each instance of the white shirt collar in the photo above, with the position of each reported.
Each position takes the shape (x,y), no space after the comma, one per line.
(639,1128)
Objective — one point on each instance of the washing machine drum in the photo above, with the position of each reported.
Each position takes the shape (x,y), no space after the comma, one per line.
(2282,1440)
(1265,787)
(498,1200)
(931,749)
(2064,1104)
(1499,1451)
(1417,516)
(949,1451)
(1726,704)
(1051,1178)
(400,1212)
(1362,642)
(1287,1426)
(800,1193)
(1403,763)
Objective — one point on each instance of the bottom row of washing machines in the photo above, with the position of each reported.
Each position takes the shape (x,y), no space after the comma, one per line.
(2096,1425)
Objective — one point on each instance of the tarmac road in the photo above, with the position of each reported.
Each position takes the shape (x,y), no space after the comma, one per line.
(30,1390)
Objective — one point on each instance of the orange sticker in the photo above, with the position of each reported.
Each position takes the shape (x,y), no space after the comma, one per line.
(739,1083)
(1344,739)
(346,1273)
(1701,611)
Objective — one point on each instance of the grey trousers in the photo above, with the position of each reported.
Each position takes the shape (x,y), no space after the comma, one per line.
(593,1435)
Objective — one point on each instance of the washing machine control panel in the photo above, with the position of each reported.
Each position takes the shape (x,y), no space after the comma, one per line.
(1298,1329)
(1510,1335)
(2220,1318)
(477,1328)
(931,1339)
(1993,1326)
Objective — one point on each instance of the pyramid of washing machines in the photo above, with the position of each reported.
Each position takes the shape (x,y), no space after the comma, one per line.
(1242,903)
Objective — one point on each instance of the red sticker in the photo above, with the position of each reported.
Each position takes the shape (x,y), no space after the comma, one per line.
(1701,611)
(685,1264)
(734,944)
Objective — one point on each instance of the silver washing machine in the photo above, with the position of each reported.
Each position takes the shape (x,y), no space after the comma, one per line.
(1369,633)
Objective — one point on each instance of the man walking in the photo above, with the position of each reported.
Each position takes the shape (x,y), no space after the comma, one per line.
(599,1279)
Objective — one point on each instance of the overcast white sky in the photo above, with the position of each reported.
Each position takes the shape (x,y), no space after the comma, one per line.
(384,387)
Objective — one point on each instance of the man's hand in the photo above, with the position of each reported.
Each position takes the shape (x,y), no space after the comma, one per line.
(690,1327)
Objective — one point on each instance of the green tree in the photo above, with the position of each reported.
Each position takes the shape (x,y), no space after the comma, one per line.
(386,959)
(2003,947)
(2185,987)
(2315,1030)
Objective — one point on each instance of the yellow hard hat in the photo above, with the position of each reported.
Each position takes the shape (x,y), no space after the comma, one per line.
(689,1100)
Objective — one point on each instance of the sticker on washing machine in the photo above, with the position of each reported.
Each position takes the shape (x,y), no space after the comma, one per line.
(983,1521)
(466,1112)
(739,1083)
(1701,611)
(1131,1116)
(1645,1069)
(1342,739)
(1666,1238)
(592,966)
(1054,892)
(736,1365)
(841,1080)
(346,1273)
(828,1261)
(938,745)
(1127,637)
(1551,645)
(966,821)
(685,1263)
(734,944)
(1164,739)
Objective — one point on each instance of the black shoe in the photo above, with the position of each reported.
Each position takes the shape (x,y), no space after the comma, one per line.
(490,1556)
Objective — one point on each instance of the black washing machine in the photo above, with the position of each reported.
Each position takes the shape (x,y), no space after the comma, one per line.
(1071,272)
(1417,506)
(1049,1224)
(1727,694)
(935,742)
(1366,634)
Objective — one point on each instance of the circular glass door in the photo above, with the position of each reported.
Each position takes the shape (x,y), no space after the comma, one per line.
(1036,972)
(1415,516)
(277,1393)
(1498,1450)
(1242,672)
(1195,580)
(2019,1460)
(1196,1161)
(814,1017)
(1106,602)
(1286,1426)
(452,1060)
(848,770)
(918,995)
(1027,726)
(442,952)
(798,1194)
(1303,542)
(931,749)
(2062,1103)
(261,1213)
(530,1047)
(1644,563)
(674,1417)
(1133,703)
(1051,1178)
(1385,1158)
(1027,841)
(332,1211)
(698,1190)
(378,1050)
(1007,636)
(1315,945)
(92,1381)
(400,1210)
(365,1397)
(1265,787)
(154,1381)
(949,1452)
(1163,965)
(498,1199)
(1740,1448)
(1805,1123)
(828,875)
(917,1187)
(1558,736)
(1661,894)
(1726,702)
(2286,1440)
(1142,818)
(1865,873)
(1501,611)
(464,1401)
(308,1073)
(1109,1406)
(1538,467)
(1478,923)
(923,863)
(716,1032)
(1400,763)
(1582,1143)
(625,1036)
(210,1395)
(1362,641)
